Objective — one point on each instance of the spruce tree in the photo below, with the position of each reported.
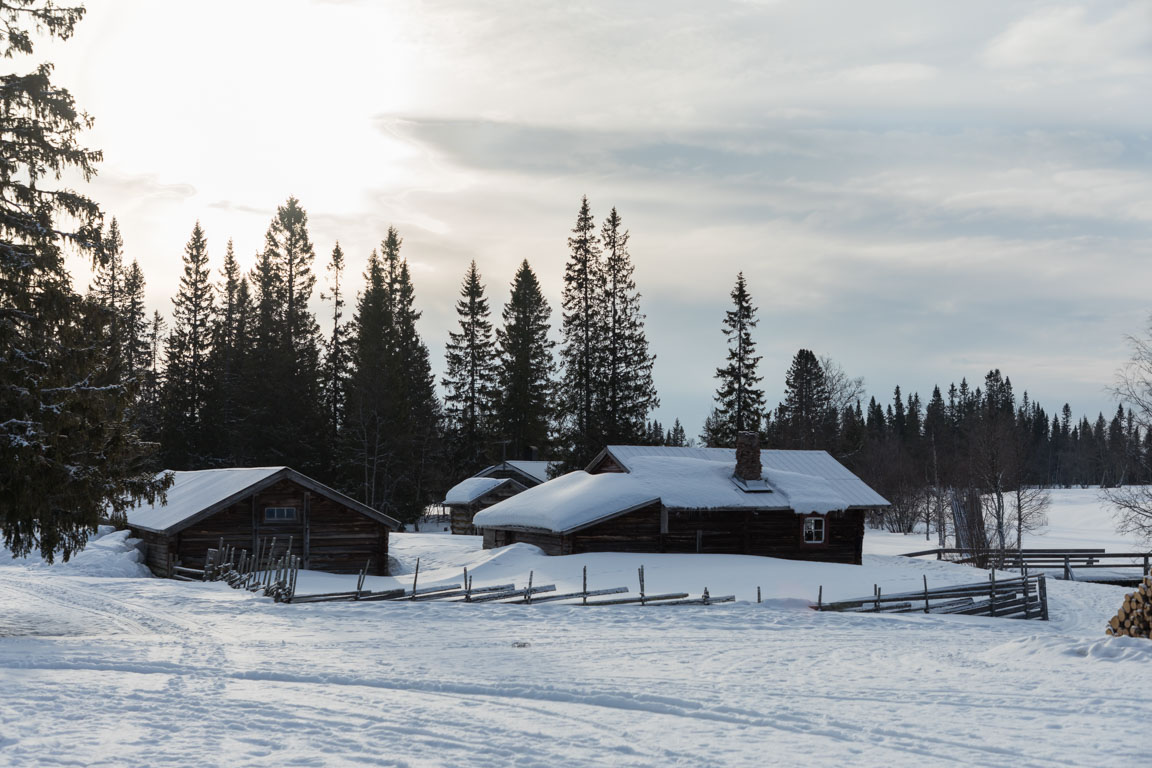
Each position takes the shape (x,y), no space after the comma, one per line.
(806,418)
(739,403)
(391,434)
(582,348)
(526,405)
(227,366)
(134,324)
(108,285)
(69,452)
(336,361)
(627,394)
(676,436)
(185,399)
(470,376)
(284,411)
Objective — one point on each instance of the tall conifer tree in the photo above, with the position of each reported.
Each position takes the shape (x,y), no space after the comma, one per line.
(527,388)
(739,402)
(582,349)
(69,452)
(627,393)
(188,379)
(336,353)
(470,377)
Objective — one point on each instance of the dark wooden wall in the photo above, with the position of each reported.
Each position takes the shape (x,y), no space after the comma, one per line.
(326,535)
(725,531)
(461,514)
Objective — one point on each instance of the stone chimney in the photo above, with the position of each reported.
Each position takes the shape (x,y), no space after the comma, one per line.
(748,456)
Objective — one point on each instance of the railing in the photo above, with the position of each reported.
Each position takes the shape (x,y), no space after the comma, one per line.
(1068,560)
(1024,597)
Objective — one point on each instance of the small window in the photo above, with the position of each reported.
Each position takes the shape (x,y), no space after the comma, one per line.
(279,514)
(813,530)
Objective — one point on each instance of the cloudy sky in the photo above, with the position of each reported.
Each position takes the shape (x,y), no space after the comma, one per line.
(920,190)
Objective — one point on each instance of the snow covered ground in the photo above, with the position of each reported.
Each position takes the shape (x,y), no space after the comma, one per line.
(121,670)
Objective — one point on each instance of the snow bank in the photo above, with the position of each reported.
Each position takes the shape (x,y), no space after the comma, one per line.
(108,553)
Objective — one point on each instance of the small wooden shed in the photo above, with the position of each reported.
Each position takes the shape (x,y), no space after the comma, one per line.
(801,505)
(491,486)
(329,531)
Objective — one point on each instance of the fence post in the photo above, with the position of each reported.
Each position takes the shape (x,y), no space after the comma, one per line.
(925,593)
(1145,565)
(819,597)
(1067,569)
(1027,612)
(1043,598)
(992,594)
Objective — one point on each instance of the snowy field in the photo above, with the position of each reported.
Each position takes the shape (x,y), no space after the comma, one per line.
(101,666)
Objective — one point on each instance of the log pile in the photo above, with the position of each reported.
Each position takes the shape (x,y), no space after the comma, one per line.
(1134,619)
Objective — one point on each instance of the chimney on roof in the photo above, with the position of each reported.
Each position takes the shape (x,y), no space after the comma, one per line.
(748,465)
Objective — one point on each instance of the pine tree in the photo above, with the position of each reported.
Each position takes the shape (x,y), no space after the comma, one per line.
(470,376)
(108,286)
(676,436)
(417,430)
(581,352)
(187,352)
(69,452)
(525,372)
(282,385)
(336,354)
(227,366)
(807,418)
(391,433)
(134,324)
(739,403)
(627,393)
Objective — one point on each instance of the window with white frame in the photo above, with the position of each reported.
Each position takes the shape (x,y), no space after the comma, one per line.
(813,530)
(279,514)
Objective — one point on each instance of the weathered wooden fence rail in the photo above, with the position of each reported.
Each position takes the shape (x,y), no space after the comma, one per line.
(1067,561)
(274,573)
(1023,597)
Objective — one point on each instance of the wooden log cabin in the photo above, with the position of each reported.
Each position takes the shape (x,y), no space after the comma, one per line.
(328,530)
(490,486)
(798,505)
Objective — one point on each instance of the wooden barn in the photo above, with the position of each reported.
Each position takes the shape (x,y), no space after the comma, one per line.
(799,505)
(329,531)
(491,486)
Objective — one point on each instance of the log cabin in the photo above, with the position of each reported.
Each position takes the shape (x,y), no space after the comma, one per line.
(798,505)
(329,531)
(490,486)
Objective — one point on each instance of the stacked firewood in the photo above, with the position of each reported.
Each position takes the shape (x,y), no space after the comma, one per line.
(1134,619)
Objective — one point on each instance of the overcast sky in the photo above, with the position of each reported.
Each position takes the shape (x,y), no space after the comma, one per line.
(920,190)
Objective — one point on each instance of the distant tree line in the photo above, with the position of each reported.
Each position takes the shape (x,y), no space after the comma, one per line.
(979,450)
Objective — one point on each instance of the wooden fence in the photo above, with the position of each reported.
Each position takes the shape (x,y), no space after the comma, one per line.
(1129,566)
(1024,597)
(273,572)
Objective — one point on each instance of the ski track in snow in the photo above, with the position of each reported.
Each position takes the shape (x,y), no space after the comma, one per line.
(127,671)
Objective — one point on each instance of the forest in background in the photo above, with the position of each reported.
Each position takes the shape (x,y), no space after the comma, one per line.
(97,393)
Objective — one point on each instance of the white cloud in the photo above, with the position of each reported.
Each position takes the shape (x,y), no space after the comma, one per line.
(890,72)
(1069,42)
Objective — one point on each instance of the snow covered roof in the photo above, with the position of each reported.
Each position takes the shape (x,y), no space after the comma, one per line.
(536,471)
(569,502)
(467,491)
(781,464)
(690,478)
(197,494)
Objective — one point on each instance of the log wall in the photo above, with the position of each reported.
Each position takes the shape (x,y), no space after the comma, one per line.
(461,515)
(726,531)
(326,535)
